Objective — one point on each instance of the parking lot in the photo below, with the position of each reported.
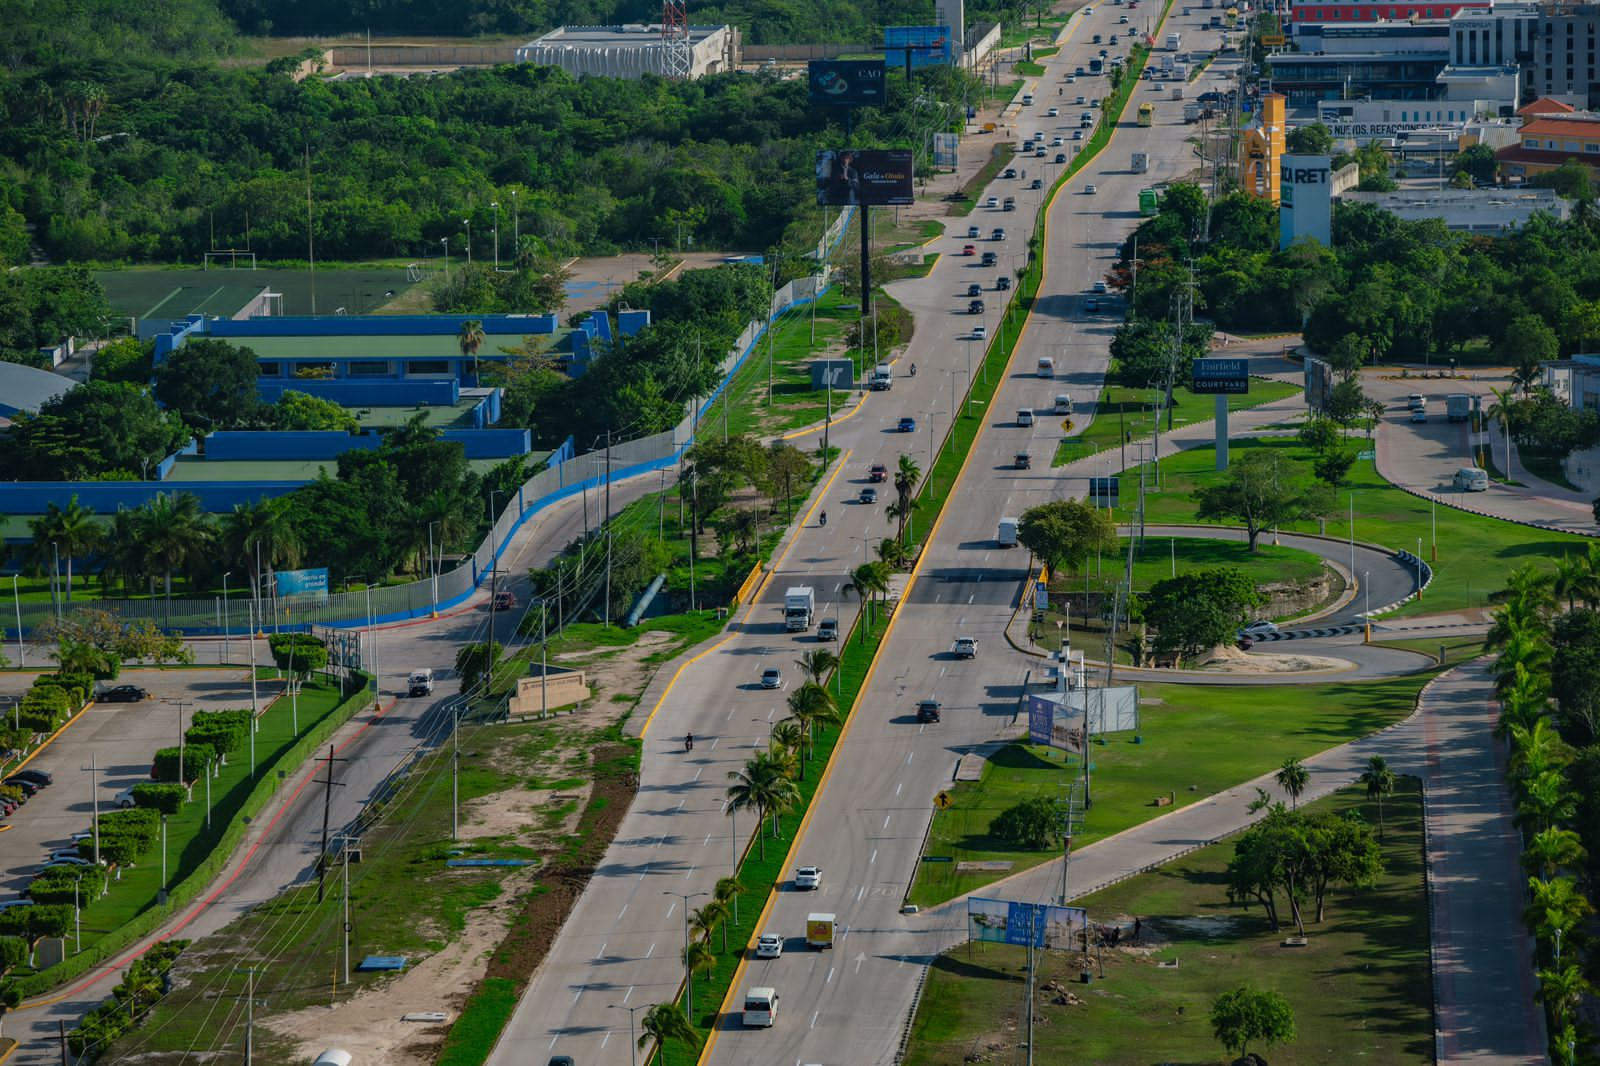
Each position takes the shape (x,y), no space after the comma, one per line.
(119,741)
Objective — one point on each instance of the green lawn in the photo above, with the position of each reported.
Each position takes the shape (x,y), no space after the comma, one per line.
(1158,558)
(1197,741)
(1123,412)
(1474,555)
(1360,989)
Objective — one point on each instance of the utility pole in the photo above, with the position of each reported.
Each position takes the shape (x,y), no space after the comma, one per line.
(344,843)
(608,530)
(249,1015)
(327,806)
(455,769)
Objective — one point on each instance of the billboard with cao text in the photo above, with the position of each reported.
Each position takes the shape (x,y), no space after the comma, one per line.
(852,82)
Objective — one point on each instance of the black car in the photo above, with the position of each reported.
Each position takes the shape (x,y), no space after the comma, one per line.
(1002,283)
(38,777)
(123,694)
(974,289)
(928,711)
(975,307)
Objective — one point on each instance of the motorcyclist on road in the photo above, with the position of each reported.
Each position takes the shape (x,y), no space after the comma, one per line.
(824,518)
(913,369)
(688,742)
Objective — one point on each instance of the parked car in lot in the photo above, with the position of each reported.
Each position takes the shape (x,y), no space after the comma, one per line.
(38,777)
(124,799)
(123,694)
(29,788)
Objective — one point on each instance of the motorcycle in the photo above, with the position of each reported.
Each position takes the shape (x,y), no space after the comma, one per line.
(823,520)
(688,742)
(913,369)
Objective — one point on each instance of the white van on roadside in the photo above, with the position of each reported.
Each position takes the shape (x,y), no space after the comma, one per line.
(1471,479)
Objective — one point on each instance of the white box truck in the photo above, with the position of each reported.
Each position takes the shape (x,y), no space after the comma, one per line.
(1141,162)
(1174,42)
(1007,536)
(799,605)
(882,378)
(1458,406)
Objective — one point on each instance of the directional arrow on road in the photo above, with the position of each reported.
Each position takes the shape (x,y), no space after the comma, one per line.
(860,958)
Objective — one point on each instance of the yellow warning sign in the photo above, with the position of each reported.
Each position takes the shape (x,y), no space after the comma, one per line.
(942,801)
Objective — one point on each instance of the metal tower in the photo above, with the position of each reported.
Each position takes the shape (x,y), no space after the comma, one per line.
(677,53)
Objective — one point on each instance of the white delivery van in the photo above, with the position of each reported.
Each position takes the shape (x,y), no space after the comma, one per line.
(1006,537)
(1064,404)
(420,683)
(1027,99)
(1025,416)
(1047,367)
(1472,479)
(760,1008)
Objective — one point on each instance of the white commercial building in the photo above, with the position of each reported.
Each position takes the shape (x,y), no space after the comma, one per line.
(630,51)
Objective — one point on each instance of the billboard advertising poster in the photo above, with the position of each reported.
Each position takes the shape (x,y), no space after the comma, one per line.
(1305,209)
(1055,724)
(848,82)
(1212,376)
(874,176)
(302,584)
(999,921)
(921,46)
(1056,719)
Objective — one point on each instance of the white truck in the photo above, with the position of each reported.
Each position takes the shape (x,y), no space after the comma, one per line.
(1141,162)
(882,378)
(1458,406)
(1192,112)
(1174,42)
(420,683)
(1007,535)
(799,605)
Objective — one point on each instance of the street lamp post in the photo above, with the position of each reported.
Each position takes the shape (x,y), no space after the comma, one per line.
(1366,615)
(467,222)
(516,227)
(496,205)
(686,897)
(227,654)
(632,1044)
(446,242)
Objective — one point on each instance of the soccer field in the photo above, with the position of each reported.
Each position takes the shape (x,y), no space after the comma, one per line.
(176,293)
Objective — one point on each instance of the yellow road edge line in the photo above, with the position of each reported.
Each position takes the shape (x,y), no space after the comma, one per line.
(808,431)
(644,729)
(52,739)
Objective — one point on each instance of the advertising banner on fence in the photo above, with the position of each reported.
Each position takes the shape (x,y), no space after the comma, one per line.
(923,46)
(302,584)
(848,82)
(999,921)
(1057,718)
(1055,722)
(879,177)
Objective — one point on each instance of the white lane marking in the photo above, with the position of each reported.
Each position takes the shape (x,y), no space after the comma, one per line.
(898,787)
(687,872)
(651,952)
(628,993)
(886,820)
(829,979)
(672,908)
(553,1040)
(971,598)
(874,857)
(679,807)
(706,841)
(606,1038)
(698,772)
(730,715)
(576,994)
(862,891)
(910,755)
(602,952)
(942,670)
(814,1018)
(715,739)
(623,911)
(860,958)
(645,871)
(771,712)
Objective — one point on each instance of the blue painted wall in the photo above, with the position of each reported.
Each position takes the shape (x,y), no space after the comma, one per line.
(106,497)
(378,325)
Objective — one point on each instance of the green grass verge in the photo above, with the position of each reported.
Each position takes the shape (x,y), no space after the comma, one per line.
(474,1033)
(197,854)
(1474,552)
(1156,559)
(1191,749)
(1360,990)
(1122,413)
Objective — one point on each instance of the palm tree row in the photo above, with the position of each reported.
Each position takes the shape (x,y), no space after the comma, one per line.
(1537,769)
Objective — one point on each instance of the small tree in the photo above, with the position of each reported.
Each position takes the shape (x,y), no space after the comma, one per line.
(1032,824)
(1293,778)
(1380,782)
(1065,533)
(664,1022)
(1262,489)
(1247,1014)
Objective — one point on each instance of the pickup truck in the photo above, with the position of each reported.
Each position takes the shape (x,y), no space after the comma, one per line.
(965,648)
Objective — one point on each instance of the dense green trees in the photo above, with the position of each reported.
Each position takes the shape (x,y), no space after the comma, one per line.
(41,307)
(186,155)
(1197,611)
(100,430)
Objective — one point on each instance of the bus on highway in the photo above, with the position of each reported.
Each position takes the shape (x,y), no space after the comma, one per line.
(1147,114)
(1148,204)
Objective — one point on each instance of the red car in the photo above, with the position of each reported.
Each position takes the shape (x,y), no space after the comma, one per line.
(969,249)
(878,473)
(504,601)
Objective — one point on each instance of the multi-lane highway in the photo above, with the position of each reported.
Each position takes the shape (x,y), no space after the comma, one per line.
(620,948)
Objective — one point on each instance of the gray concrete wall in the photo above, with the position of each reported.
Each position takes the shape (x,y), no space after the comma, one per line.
(398,55)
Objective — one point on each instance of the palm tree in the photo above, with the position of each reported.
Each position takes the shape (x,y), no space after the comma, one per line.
(697,958)
(1525,702)
(1551,851)
(124,556)
(755,788)
(711,914)
(811,705)
(1555,906)
(789,736)
(1535,750)
(260,532)
(1574,579)
(901,513)
(174,532)
(814,664)
(69,531)
(727,893)
(1561,989)
(1293,777)
(1380,782)
(1545,801)
(470,338)
(866,581)
(664,1022)
(1525,651)
(906,475)
(891,552)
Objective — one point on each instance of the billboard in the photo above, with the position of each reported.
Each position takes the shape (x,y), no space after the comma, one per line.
(848,82)
(945,148)
(999,921)
(1211,376)
(872,176)
(1056,719)
(1305,210)
(302,584)
(1319,384)
(917,46)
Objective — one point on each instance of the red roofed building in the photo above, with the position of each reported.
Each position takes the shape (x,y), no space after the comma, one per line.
(1549,137)
(1545,106)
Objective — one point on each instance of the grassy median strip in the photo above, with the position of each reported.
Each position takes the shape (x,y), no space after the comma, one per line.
(1359,989)
(1194,741)
(1122,414)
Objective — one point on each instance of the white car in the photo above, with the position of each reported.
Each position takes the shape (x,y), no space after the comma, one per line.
(980,333)
(124,799)
(769,946)
(1054,112)
(993,201)
(1056,142)
(808,878)
(1259,628)
(1089,190)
